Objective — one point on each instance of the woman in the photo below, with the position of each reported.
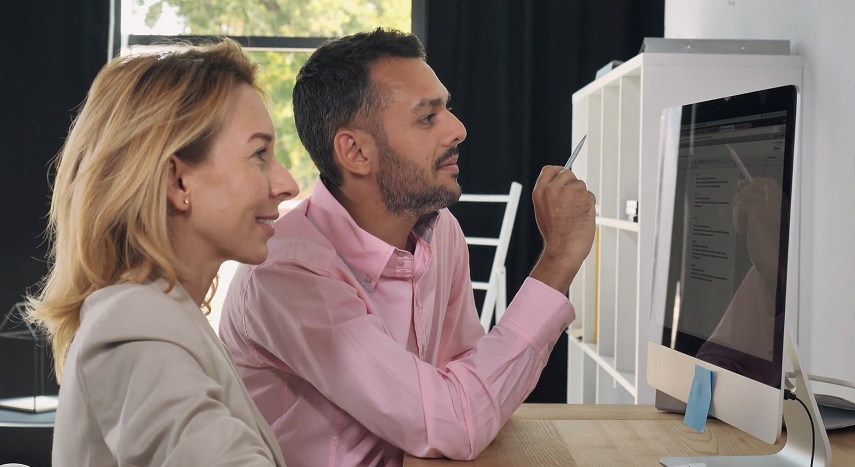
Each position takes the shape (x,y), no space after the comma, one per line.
(167,172)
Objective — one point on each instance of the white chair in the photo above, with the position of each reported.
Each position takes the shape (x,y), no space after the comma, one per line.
(495,295)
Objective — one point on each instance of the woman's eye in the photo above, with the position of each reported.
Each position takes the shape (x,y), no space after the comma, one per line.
(261,153)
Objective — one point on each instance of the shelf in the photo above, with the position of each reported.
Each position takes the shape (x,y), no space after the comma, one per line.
(622,378)
(617,223)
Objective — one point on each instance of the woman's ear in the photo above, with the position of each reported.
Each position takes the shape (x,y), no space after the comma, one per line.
(176,191)
(354,151)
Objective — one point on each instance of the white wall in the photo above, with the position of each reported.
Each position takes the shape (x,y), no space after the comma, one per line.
(823,33)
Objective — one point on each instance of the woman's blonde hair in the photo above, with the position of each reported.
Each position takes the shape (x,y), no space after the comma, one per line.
(108,214)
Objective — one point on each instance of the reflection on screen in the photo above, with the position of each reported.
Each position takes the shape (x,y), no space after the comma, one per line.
(725,300)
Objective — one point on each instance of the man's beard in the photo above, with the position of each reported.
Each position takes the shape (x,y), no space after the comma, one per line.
(405,187)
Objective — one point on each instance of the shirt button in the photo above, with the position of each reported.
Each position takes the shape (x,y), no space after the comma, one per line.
(400,262)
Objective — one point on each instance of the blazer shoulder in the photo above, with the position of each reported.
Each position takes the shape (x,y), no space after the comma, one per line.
(127,312)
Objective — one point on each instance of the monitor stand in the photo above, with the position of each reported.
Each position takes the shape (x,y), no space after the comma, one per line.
(802,437)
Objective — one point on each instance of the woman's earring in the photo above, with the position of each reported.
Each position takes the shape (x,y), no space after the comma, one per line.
(186,201)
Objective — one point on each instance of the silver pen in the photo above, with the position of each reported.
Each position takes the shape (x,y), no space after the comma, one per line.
(739,163)
(572,158)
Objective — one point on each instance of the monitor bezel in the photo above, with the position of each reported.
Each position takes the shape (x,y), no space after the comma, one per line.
(752,406)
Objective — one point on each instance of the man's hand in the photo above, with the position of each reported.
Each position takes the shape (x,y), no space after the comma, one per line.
(564,211)
(757,215)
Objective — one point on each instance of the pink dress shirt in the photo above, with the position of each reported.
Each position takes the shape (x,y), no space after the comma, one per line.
(356,351)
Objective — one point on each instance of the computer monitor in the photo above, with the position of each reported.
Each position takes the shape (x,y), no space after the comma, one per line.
(723,265)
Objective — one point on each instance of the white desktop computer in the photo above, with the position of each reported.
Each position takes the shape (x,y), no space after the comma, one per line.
(724,277)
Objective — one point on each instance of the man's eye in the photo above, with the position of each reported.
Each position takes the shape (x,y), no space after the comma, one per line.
(428,118)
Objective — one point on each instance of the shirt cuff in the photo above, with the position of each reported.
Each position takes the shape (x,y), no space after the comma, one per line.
(540,311)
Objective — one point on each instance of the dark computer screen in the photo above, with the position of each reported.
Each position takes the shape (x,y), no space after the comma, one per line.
(728,260)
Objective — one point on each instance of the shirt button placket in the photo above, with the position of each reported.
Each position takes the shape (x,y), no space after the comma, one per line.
(420,327)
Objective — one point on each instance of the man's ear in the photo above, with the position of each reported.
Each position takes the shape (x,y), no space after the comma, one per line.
(176,190)
(354,150)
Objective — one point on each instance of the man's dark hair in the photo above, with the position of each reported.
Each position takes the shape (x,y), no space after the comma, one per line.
(334,89)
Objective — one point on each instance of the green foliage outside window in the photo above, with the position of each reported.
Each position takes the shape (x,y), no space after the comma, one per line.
(278,69)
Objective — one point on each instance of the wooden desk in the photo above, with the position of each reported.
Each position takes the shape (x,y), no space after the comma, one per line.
(617,435)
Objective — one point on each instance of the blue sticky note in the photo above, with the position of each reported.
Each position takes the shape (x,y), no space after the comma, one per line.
(700,398)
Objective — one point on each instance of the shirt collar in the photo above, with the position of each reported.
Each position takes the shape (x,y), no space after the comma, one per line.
(365,254)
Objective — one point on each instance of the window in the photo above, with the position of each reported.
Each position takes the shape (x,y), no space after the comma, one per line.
(278,34)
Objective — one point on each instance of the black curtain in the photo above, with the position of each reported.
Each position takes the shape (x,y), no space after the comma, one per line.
(50,51)
(511,67)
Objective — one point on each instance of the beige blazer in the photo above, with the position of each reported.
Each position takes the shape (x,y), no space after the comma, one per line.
(147,382)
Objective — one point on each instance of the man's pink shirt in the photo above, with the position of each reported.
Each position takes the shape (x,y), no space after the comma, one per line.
(356,351)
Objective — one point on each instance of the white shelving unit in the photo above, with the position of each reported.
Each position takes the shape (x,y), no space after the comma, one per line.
(620,113)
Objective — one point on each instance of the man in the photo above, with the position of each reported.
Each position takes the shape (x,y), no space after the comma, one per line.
(359,337)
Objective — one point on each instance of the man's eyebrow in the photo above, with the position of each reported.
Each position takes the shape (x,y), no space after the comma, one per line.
(434,102)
